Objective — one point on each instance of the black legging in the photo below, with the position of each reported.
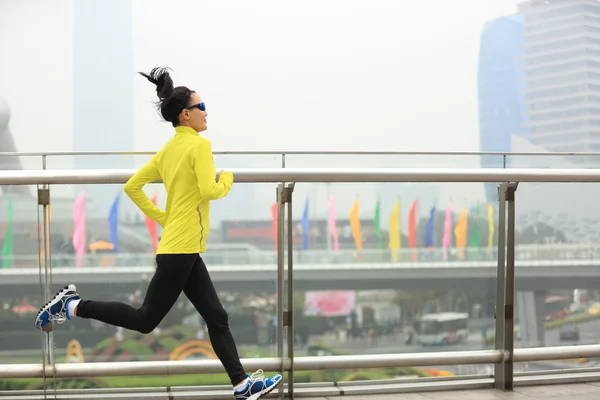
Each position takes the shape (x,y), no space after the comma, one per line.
(175,273)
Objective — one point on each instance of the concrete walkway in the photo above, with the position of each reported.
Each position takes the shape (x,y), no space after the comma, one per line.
(583,391)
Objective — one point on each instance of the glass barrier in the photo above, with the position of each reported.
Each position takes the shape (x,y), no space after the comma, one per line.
(133,161)
(20,162)
(568,161)
(246,291)
(556,300)
(392,161)
(423,278)
(392,268)
(21,281)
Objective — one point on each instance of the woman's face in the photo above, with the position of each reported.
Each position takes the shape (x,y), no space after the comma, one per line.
(195,114)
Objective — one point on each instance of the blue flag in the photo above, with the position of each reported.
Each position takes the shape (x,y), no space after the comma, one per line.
(113,220)
(305,226)
(429,229)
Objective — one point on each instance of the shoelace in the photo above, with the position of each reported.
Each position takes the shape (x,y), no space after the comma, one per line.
(59,318)
(258,376)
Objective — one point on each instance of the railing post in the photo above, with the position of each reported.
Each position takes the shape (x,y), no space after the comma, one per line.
(43,197)
(285,315)
(280,278)
(288,320)
(505,286)
(509,289)
(499,369)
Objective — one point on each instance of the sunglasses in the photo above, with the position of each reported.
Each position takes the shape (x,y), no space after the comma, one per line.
(200,106)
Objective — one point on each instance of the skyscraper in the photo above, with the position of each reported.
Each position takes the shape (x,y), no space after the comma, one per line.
(562,56)
(500,84)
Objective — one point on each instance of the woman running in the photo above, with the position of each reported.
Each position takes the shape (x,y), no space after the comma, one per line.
(185,165)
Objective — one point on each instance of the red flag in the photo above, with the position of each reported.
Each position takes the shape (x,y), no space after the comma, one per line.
(151,225)
(274,210)
(412,230)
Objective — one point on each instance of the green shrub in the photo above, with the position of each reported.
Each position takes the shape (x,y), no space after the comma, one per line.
(136,348)
(169,343)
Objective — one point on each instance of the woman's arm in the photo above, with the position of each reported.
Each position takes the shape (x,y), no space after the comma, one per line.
(147,174)
(206,174)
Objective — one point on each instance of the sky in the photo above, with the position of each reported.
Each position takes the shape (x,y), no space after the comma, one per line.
(311,75)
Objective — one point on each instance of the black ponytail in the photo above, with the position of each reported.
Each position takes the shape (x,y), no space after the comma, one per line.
(171,100)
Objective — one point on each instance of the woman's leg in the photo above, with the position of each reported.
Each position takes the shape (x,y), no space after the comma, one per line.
(200,290)
(166,285)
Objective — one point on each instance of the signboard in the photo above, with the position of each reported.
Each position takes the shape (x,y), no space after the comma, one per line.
(260,233)
(330,303)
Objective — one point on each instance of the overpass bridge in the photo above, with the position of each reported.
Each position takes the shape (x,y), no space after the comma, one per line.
(537,267)
(530,275)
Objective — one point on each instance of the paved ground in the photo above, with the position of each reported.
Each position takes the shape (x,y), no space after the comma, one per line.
(589,391)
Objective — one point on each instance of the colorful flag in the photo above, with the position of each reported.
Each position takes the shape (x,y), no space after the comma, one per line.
(377,224)
(395,235)
(332,225)
(447,239)
(429,229)
(7,247)
(412,230)
(460,232)
(305,226)
(152,226)
(79,240)
(113,223)
(491,230)
(355,225)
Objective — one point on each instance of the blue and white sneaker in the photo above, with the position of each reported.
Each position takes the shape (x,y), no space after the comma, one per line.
(56,309)
(258,386)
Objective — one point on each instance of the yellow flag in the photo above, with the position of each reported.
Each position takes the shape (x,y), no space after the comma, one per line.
(491,226)
(460,232)
(395,236)
(355,225)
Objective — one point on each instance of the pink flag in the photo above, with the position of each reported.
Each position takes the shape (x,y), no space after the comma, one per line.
(79,243)
(332,227)
(151,225)
(447,231)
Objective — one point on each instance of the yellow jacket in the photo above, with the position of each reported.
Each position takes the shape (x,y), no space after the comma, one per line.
(186,166)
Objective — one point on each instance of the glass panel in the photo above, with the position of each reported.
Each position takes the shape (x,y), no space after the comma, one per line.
(239,240)
(557,301)
(137,160)
(419,296)
(104,195)
(20,162)
(392,161)
(21,292)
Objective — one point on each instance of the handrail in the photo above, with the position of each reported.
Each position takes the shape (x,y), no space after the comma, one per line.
(355,175)
(308,152)
(154,368)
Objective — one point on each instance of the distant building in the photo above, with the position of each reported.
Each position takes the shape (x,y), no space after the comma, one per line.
(500,85)
(562,56)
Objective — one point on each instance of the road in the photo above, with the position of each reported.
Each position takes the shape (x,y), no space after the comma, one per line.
(589,334)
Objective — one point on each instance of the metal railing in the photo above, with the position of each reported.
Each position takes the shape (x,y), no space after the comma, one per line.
(503,356)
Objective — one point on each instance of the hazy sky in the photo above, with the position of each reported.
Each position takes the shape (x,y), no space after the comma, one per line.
(311,75)
(327,75)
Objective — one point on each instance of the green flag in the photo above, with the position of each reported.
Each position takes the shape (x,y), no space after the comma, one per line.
(7,248)
(377,226)
(475,234)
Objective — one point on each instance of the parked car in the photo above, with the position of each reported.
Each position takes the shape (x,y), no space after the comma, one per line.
(569,332)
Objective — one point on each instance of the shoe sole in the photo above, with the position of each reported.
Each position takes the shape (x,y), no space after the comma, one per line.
(58,297)
(265,392)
